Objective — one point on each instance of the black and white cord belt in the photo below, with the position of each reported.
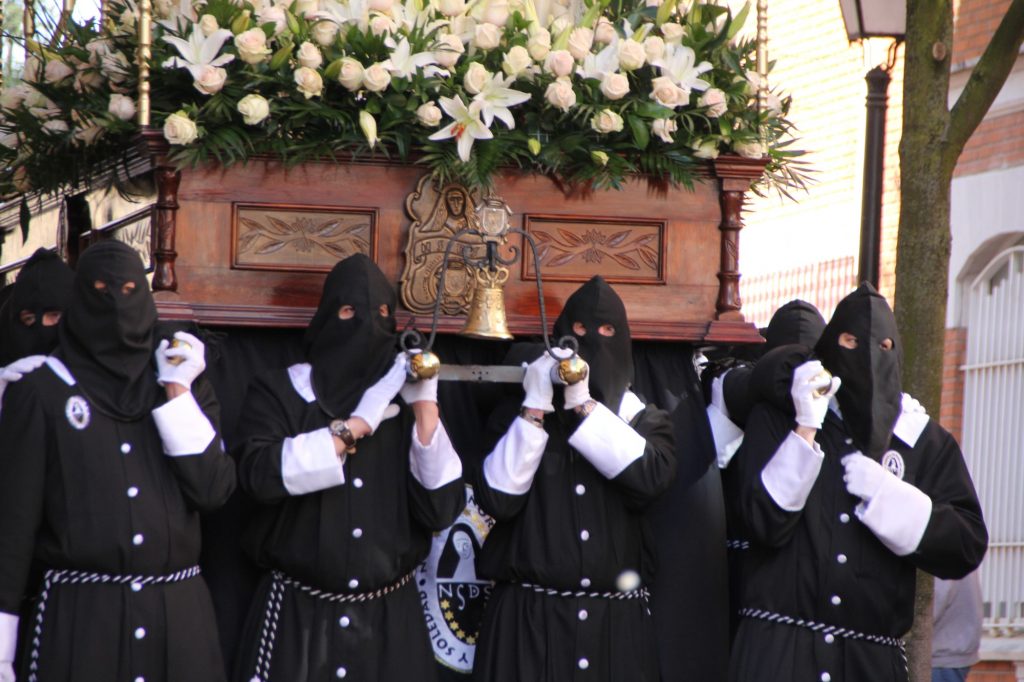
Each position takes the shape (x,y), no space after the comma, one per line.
(638,593)
(822,628)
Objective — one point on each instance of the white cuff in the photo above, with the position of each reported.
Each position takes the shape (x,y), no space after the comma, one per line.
(630,406)
(513,462)
(8,636)
(309,462)
(791,472)
(183,427)
(898,515)
(435,464)
(728,437)
(609,443)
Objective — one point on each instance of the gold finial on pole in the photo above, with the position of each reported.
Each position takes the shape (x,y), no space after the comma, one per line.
(762,54)
(143,56)
(2,40)
(29,19)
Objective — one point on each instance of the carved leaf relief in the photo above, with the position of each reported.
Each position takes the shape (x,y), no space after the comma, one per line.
(575,250)
(300,238)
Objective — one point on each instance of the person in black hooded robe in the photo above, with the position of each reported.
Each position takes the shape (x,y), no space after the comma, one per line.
(107,463)
(842,505)
(569,484)
(29,315)
(350,488)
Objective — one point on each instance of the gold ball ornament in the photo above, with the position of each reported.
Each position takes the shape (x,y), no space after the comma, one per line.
(571,370)
(424,365)
(177,343)
(824,377)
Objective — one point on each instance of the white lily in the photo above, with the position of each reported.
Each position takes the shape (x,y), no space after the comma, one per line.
(679,64)
(178,18)
(403,63)
(198,51)
(353,12)
(496,97)
(466,126)
(597,65)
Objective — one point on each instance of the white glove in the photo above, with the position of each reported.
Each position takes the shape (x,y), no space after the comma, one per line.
(578,393)
(422,390)
(537,384)
(864,476)
(810,406)
(15,371)
(376,398)
(910,404)
(193,361)
(6,671)
(717,396)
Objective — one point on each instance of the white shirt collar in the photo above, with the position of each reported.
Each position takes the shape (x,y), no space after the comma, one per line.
(300,373)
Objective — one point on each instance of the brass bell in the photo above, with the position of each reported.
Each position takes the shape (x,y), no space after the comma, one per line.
(569,371)
(423,365)
(486,317)
(176,343)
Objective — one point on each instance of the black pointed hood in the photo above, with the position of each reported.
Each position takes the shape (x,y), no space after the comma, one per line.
(106,336)
(43,285)
(610,357)
(871,393)
(796,322)
(348,356)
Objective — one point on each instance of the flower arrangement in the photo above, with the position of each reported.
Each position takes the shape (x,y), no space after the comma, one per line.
(586,91)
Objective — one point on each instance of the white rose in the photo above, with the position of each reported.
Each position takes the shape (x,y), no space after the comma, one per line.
(324,32)
(382,6)
(748,150)
(476,78)
(210,79)
(668,94)
(714,100)
(559,62)
(614,86)
(451,8)
(351,74)
(673,33)
(580,41)
(449,50)
(463,26)
(631,55)
(98,49)
(486,36)
(606,121)
(773,105)
(252,46)
(429,115)
(163,8)
(381,24)
(208,24)
(539,43)
(88,134)
(122,107)
(306,8)
(56,126)
(604,32)
(308,81)
(654,48)
(496,13)
(116,67)
(56,71)
(663,129)
(309,55)
(376,78)
(561,95)
(180,129)
(272,14)
(516,61)
(753,84)
(706,150)
(253,108)
(12,98)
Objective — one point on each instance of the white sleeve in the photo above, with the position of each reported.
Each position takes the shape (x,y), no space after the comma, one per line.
(514,460)
(728,437)
(435,464)
(607,442)
(8,636)
(790,474)
(309,462)
(898,515)
(183,427)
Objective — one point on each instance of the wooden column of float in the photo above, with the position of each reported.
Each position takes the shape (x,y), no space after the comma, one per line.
(212,267)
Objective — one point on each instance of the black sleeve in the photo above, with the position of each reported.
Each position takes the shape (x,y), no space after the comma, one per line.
(436,509)
(955,539)
(207,479)
(23,433)
(500,506)
(653,472)
(764,521)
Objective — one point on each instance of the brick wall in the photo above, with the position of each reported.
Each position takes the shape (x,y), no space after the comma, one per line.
(952,410)
(993,671)
(997,143)
(976,21)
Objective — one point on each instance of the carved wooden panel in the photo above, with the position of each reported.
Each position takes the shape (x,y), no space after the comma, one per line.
(575,249)
(299,238)
(134,229)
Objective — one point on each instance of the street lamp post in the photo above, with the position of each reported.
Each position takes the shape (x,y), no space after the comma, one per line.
(874,19)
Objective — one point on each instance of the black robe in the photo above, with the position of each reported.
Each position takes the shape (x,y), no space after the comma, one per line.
(573,530)
(360,535)
(85,492)
(822,564)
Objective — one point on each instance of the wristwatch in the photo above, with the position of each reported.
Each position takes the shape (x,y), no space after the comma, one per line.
(339,428)
(531,418)
(583,410)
